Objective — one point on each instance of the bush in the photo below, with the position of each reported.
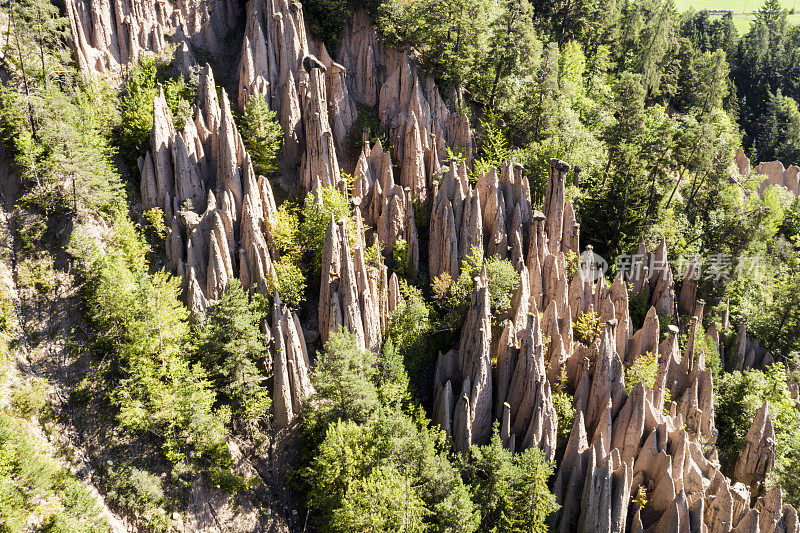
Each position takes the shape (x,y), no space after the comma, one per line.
(28,479)
(285,231)
(493,150)
(587,328)
(141,89)
(31,398)
(136,124)
(138,320)
(141,492)
(385,500)
(345,380)
(510,490)
(291,283)
(565,410)
(315,220)
(38,274)
(413,333)
(367,119)
(643,370)
(57,137)
(503,281)
(327,19)
(232,349)
(350,468)
(401,260)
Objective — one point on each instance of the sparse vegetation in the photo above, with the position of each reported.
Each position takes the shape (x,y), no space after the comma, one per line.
(587,328)
(643,370)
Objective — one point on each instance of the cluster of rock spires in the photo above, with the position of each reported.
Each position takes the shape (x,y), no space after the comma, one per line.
(217,209)
(624,442)
(317,99)
(302,84)
(385,206)
(354,295)
(108,35)
(219,213)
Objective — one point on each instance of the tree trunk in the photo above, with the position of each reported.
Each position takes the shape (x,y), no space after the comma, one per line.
(41,45)
(24,80)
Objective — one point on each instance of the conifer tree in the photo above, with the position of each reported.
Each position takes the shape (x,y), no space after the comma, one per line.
(232,348)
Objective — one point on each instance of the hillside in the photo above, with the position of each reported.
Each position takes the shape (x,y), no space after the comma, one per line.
(439,265)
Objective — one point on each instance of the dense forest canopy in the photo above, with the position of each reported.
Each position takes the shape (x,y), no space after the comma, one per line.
(647,104)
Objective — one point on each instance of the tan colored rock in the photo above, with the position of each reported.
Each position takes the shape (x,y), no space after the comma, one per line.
(554,203)
(758,454)
(110,34)
(607,382)
(570,478)
(646,339)
(476,360)
(773,170)
(161,146)
(689,289)
(292,382)
(742,163)
(570,240)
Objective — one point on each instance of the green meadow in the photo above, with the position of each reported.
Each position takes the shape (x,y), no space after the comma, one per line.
(743,10)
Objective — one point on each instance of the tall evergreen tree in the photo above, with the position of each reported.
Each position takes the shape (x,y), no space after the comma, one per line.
(510,489)
(233,350)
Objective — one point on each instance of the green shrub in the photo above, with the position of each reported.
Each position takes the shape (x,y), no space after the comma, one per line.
(33,483)
(367,119)
(639,500)
(563,404)
(503,281)
(291,283)
(401,259)
(138,320)
(413,332)
(349,472)
(345,380)
(510,490)
(57,138)
(315,220)
(326,19)
(137,109)
(232,349)
(37,274)
(493,147)
(285,231)
(643,370)
(587,328)
(136,105)
(31,398)
(139,491)
(739,396)
(155,217)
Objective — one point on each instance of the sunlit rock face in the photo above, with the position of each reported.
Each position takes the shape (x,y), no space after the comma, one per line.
(108,35)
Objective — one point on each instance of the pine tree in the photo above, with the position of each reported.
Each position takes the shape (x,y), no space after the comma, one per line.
(511,45)
(510,489)
(262,136)
(232,348)
(344,379)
